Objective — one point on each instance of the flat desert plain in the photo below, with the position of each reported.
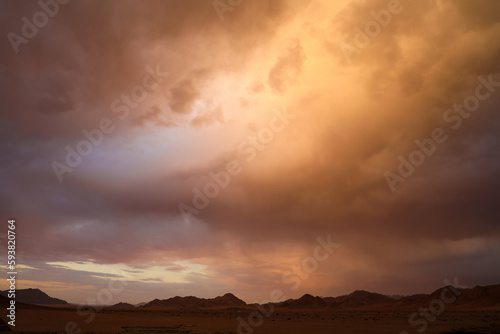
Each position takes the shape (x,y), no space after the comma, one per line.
(137,320)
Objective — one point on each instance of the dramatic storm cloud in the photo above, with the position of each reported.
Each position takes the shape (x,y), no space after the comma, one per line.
(194,149)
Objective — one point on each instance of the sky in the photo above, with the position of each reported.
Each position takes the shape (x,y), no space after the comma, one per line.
(204,147)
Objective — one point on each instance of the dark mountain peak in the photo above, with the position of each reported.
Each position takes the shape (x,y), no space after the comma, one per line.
(310,298)
(123,305)
(34,292)
(307,296)
(305,301)
(35,297)
(362,293)
(228,300)
(359,299)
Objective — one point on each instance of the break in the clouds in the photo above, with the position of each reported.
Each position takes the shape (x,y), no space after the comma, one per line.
(183,94)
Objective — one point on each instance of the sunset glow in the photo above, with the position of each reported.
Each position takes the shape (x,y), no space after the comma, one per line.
(157,144)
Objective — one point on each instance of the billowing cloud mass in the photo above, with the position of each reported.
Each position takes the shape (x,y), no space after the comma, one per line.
(192,150)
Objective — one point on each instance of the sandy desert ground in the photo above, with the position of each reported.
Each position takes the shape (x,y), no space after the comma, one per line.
(225,321)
